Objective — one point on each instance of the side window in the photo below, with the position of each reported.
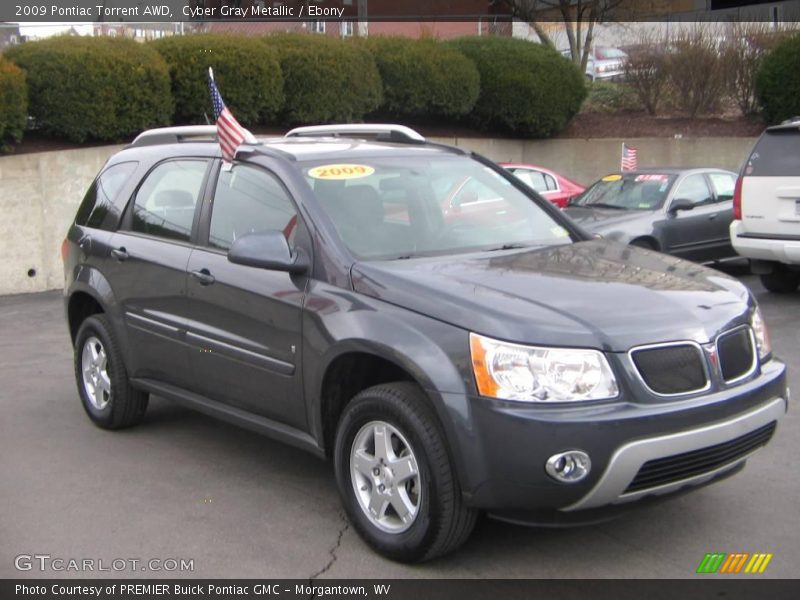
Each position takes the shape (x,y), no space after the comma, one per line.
(165,203)
(533,179)
(550,181)
(723,185)
(249,200)
(694,188)
(100,196)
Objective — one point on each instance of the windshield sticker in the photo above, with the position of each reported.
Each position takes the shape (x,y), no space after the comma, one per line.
(559,232)
(651,177)
(341,172)
(612,177)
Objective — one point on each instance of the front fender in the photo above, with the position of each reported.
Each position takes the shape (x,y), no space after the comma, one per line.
(435,354)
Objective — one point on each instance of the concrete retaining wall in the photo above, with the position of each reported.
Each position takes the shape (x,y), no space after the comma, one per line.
(39,193)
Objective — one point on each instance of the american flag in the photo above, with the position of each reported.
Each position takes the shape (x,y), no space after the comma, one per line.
(229,132)
(629,158)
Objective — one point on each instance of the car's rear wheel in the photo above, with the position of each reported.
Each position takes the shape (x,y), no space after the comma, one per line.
(395,476)
(781,280)
(103,386)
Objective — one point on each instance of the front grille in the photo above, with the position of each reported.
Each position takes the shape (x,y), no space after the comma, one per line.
(675,369)
(736,354)
(662,471)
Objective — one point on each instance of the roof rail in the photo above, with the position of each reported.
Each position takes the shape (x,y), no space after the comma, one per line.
(388,132)
(174,135)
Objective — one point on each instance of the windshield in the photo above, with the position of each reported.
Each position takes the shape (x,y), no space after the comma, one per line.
(609,53)
(414,205)
(636,191)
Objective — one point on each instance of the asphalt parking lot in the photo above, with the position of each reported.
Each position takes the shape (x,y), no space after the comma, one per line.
(185,486)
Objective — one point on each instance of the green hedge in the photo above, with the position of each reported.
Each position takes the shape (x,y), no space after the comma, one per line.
(13,104)
(778,81)
(97,88)
(247,74)
(424,77)
(326,80)
(526,88)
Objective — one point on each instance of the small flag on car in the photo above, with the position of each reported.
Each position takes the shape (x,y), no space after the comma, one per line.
(629,158)
(229,132)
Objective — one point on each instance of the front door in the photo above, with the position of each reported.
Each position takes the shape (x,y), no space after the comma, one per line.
(695,234)
(245,327)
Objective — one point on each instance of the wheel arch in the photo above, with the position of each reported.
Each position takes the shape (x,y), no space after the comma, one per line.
(646,239)
(352,369)
(81,305)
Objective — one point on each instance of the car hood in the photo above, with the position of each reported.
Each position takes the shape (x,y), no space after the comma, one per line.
(594,219)
(596,294)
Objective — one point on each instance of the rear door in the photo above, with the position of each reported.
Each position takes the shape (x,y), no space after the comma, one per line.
(771,186)
(147,268)
(245,326)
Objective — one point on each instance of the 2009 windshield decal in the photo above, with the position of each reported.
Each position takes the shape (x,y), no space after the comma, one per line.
(341,171)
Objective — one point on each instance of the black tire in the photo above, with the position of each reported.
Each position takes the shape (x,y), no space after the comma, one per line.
(124,405)
(442,521)
(781,280)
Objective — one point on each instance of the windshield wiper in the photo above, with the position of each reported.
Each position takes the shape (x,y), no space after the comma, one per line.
(605,205)
(516,246)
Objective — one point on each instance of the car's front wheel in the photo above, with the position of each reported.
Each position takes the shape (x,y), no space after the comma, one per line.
(103,386)
(395,475)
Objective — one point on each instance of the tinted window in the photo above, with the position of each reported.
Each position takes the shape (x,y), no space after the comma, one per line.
(694,188)
(723,185)
(249,200)
(777,154)
(165,203)
(413,205)
(100,196)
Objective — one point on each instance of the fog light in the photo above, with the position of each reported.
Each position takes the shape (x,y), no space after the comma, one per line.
(568,467)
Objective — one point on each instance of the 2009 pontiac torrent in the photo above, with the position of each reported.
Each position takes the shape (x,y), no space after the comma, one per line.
(449,353)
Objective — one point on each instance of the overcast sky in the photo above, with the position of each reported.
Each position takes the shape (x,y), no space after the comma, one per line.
(47,29)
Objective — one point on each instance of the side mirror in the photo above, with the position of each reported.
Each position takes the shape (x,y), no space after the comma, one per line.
(680,204)
(266,250)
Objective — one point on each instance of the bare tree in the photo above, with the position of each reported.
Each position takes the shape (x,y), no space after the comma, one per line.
(578,18)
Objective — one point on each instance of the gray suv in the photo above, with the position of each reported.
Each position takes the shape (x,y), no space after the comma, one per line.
(451,354)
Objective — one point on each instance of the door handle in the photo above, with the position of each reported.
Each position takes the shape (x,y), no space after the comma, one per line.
(203,276)
(712,217)
(121,254)
(85,242)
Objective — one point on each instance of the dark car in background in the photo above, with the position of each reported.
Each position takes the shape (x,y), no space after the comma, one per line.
(683,212)
(316,292)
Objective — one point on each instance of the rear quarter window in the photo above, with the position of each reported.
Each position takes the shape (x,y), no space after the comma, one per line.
(101,194)
(777,154)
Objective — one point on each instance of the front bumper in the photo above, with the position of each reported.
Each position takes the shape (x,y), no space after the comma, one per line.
(764,248)
(502,447)
(627,460)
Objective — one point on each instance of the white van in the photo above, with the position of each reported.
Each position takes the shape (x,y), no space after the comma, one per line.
(766,208)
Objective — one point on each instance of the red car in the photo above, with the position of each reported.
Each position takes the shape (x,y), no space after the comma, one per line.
(556,188)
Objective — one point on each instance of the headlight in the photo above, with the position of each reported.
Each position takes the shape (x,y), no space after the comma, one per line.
(762,336)
(537,374)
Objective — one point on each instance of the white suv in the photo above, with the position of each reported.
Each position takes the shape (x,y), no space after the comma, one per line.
(766,208)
